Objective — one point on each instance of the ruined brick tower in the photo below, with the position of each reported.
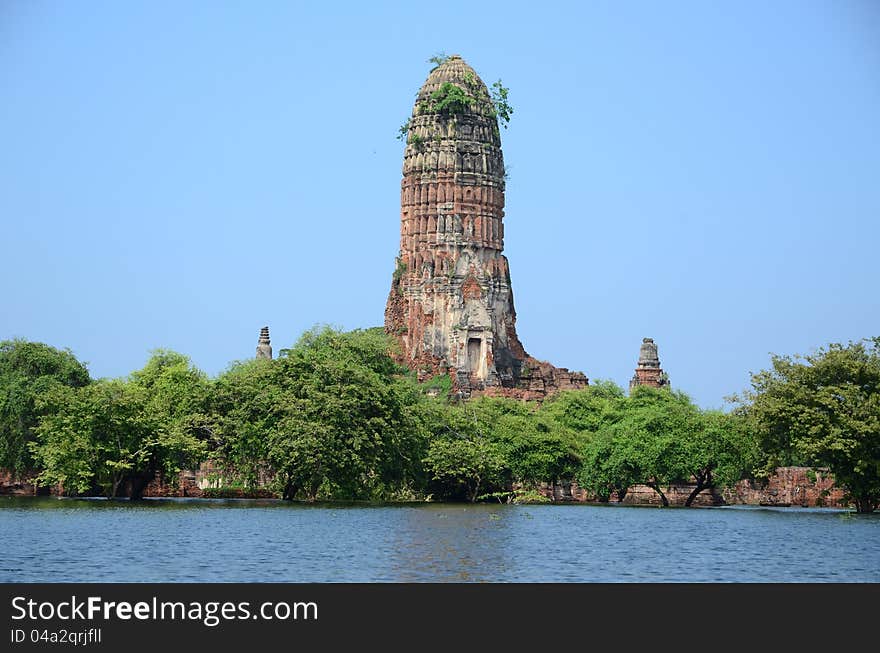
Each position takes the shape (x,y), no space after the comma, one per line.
(451,304)
(648,371)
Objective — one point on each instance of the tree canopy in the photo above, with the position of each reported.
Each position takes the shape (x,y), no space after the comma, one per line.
(823,409)
(29,370)
(335,417)
(658,438)
(116,434)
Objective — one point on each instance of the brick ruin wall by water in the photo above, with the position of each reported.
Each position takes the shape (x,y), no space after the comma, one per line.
(198,483)
(788,486)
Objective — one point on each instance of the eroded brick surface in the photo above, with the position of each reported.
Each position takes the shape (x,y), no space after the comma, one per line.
(451,303)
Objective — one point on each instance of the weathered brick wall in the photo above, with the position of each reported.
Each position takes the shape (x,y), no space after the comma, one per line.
(636,495)
(19,484)
(788,486)
(201,482)
(186,486)
(191,483)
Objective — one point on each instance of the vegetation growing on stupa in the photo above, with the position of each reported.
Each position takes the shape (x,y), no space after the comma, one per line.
(451,99)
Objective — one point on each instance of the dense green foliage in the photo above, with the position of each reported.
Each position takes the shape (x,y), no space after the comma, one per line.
(331,417)
(823,409)
(28,371)
(334,417)
(450,99)
(657,438)
(107,434)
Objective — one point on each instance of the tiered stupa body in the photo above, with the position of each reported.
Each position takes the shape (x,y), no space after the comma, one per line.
(649,371)
(264,345)
(451,303)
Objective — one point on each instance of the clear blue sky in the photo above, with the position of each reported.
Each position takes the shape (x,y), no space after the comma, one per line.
(180,174)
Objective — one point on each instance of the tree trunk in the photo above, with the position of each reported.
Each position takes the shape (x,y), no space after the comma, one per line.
(312,494)
(115,483)
(866,504)
(290,490)
(476,491)
(139,482)
(656,487)
(693,495)
(704,481)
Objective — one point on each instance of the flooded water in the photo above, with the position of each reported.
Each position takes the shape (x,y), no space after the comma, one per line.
(192,540)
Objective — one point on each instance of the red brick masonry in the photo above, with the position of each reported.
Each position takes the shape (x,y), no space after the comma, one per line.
(788,486)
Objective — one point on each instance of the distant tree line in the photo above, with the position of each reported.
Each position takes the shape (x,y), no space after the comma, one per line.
(334,417)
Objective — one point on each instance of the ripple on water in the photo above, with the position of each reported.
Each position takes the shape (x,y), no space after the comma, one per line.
(46,539)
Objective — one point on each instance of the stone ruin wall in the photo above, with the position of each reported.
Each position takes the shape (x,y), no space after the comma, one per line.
(193,483)
(451,302)
(20,484)
(804,487)
(788,486)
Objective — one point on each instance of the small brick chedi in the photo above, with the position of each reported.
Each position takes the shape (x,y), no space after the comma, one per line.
(264,346)
(648,371)
(451,304)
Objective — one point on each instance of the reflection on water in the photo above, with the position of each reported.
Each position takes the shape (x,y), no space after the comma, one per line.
(49,539)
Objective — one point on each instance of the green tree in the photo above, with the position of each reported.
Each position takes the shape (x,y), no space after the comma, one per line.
(608,466)
(333,417)
(719,452)
(499,95)
(462,459)
(658,438)
(114,434)
(176,403)
(450,99)
(586,411)
(824,407)
(93,437)
(464,465)
(28,370)
(438,60)
(535,447)
(247,404)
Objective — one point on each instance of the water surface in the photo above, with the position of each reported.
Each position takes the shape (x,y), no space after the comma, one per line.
(192,540)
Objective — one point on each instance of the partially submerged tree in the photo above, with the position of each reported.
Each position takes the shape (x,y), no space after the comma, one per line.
(659,438)
(468,464)
(247,404)
(93,438)
(824,408)
(342,422)
(721,451)
(114,434)
(28,371)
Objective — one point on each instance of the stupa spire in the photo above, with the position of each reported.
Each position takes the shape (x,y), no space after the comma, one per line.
(264,346)
(648,371)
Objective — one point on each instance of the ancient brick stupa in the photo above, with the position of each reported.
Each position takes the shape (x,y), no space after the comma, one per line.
(264,346)
(648,371)
(451,303)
